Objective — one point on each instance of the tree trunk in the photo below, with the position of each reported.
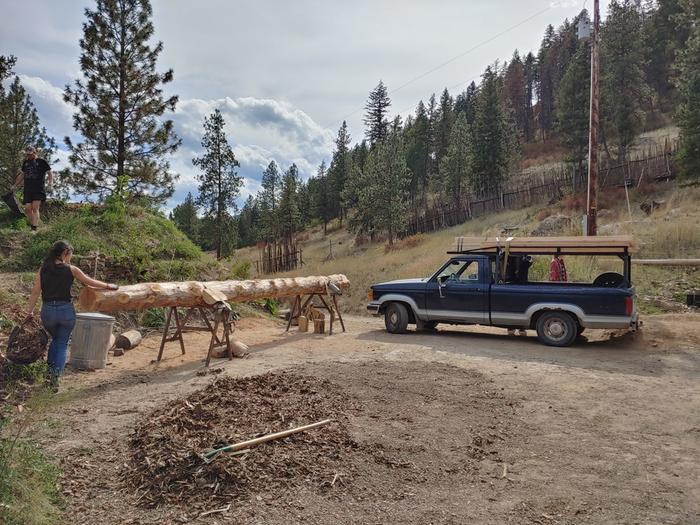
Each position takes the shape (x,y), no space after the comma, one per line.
(190,293)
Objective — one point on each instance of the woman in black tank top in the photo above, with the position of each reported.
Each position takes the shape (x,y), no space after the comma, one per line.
(53,282)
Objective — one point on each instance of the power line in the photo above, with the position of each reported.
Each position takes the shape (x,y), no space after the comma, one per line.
(440,66)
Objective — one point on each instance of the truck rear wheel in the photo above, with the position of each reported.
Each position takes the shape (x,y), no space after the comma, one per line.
(556,328)
(396,318)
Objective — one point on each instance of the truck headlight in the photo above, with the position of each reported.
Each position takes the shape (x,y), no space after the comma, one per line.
(370,295)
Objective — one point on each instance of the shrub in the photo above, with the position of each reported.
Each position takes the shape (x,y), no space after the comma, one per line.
(153,318)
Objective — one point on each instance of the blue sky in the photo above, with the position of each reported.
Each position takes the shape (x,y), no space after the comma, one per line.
(284,74)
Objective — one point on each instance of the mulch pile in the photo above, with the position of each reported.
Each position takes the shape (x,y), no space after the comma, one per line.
(166,466)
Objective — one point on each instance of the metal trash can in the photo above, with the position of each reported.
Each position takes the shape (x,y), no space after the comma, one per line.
(91,340)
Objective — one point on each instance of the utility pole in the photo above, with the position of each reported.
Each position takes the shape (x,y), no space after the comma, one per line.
(592,199)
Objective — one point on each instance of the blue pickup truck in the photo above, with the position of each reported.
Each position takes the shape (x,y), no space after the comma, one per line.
(477,288)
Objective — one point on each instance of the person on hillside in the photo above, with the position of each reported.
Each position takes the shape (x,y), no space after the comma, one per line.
(557,269)
(53,281)
(34,175)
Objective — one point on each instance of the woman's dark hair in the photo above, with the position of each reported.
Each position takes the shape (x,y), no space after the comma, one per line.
(55,252)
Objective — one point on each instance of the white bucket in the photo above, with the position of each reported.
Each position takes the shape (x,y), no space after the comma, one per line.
(91,340)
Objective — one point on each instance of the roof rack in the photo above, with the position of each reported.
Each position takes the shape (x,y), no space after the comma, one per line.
(583,245)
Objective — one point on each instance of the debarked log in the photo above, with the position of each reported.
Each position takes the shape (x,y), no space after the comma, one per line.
(195,293)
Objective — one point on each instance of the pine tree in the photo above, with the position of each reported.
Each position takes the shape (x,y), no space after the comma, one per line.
(663,40)
(445,120)
(19,128)
(289,213)
(268,202)
(622,85)
(219,184)
(323,204)
(516,91)
(350,193)
(376,116)
(545,85)
(465,102)
(573,108)
(689,90)
(493,139)
(184,215)
(455,166)
(383,191)
(530,69)
(248,223)
(338,173)
(418,152)
(120,106)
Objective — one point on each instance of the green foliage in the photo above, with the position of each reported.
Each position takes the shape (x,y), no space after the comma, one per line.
(219,183)
(272,306)
(268,202)
(289,215)
(33,373)
(383,190)
(241,270)
(153,318)
(573,106)
(120,106)
(455,166)
(419,140)
(494,139)
(623,88)
(184,215)
(141,235)
(376,111)
(689,87)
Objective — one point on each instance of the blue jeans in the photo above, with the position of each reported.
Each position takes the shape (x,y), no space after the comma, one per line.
(58,317)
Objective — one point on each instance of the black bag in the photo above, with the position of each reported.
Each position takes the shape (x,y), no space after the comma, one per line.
(11,201)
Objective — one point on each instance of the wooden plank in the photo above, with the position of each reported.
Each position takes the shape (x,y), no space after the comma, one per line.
(608,244)
(667,262)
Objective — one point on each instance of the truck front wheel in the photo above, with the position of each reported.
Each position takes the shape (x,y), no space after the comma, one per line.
(396,318)
(556,329)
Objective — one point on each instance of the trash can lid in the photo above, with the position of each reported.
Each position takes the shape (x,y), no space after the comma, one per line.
(94,316)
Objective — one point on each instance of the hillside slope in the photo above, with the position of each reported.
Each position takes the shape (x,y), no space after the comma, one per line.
(671,231)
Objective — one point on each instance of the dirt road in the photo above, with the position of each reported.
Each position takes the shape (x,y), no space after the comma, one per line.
(479,427)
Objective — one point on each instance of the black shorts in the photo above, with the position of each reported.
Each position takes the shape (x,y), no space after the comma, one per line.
(33,193)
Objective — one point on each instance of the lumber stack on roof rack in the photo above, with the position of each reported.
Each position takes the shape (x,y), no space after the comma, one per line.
(613,244)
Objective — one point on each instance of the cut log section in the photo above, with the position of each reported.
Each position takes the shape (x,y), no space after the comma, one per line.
(128,340)
(193,293)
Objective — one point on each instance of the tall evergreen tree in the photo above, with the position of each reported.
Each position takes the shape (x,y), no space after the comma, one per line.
(622,85)
(19,128)
(248,221)
(289,213)
(268,202)
(323,196)
(339,171)
(219,183)
(120,106)
(530,70)
(689,89)
(376,114)
(383,191)
(493,140)
(445,120)
(455,165)
(418,152)
(573,108)
(663,40)
(546,79)
(516,91)
(184,215)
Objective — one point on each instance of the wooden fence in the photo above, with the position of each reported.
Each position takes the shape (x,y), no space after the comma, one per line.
(549,185)
(281,256)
